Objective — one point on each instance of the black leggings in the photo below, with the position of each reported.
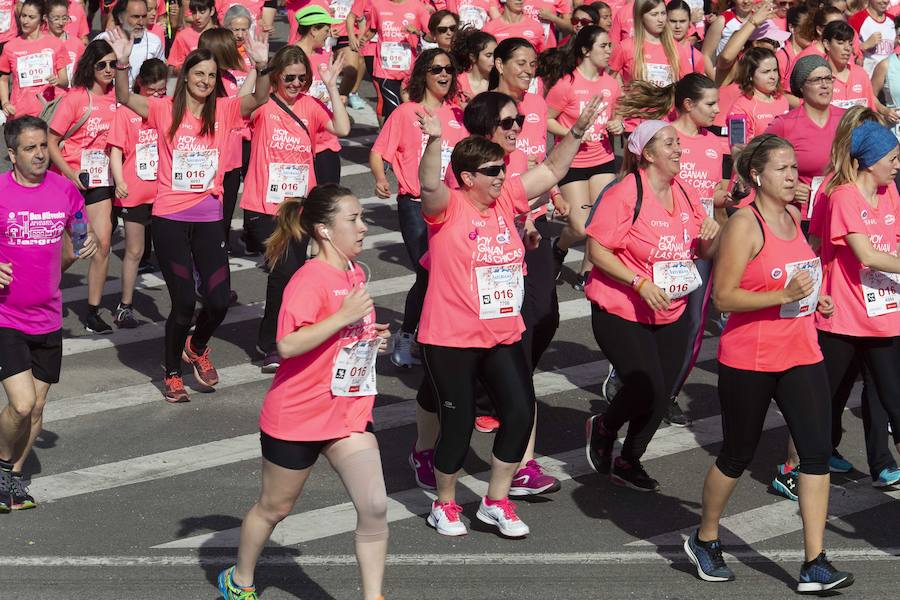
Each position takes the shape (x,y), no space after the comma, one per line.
(802,395)
(231,185)
(540,307)
(504,372)
(388,95)
(181,249)
(647,359)
(327,164)
(415,239)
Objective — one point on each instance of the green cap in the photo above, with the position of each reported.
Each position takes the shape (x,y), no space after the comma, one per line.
(315,15)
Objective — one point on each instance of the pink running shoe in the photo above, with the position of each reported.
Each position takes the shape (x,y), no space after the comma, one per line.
(532,480)
(487,424)
(422,464)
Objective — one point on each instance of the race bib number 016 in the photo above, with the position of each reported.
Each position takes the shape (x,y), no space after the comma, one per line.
(395,56)
(146,161)
(96,163)
(286,180)
(35,69)
(677,278)
(501,290)
(880,290)
(354,369)
(194,170)
(804,306)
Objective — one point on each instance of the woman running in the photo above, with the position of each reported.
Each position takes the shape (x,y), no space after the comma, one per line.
(678,14)
(473,51)
(442,28)
(194,126)
(514,23)
(767,278)
(643,238)
(761,96)
(321,399)
(652,54)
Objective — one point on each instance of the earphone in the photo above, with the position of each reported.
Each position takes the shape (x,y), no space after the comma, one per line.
(757,181)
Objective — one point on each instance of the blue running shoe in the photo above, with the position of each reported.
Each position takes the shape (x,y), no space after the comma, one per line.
(785,484)
(889,476)
(230,591)
(707,557)
(839,464)
(820,576)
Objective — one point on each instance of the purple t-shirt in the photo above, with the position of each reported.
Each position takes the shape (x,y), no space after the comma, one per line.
(32,220)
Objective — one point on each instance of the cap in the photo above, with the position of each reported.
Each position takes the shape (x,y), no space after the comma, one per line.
(315,15)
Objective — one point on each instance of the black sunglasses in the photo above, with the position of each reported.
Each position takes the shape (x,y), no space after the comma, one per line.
(290,78)
(507,123)
(491,171)
(437,69)
(103,64)
(582,22)
(448,29)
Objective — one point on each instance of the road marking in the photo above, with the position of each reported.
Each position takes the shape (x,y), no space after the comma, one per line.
(354,169)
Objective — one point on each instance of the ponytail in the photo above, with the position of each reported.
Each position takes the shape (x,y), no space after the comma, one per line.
(646,101)
(556,63)
(467,44)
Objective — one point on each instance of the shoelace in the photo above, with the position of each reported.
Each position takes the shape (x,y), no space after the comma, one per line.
(19,486)
(203,360)
(175,382)
(509,509)
(714,549)
(451,510)
(124,313)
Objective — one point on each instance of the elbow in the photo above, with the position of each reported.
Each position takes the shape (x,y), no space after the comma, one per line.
(344,130)
(721,301)
(284,350)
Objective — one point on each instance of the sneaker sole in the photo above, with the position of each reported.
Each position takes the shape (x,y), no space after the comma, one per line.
(883,484)
(23,506)
(485,429)
(588,434)
(839,470)
(104,332)
(269,369)
(674,424)
(403,365)
(696,562)
(814,587)
(432,523)
(624,483)
(547,489)
(781,490)
(424,486)
(177,400)
(506,533)
(209,385)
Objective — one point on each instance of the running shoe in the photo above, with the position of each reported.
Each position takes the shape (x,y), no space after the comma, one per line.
(599,445)
(231,591)
(5,491)
(707,557)
(578,286)
(559,257)
(403,351)
(232,297)
(502,515)
(532,480)
(355,102)
(632,475)
(444,517)
(675,416)
(204,370)
(785,483)
(889,476)
(271,362)
(487,424)
(94,323)
(819,575)
(422,464)
(839,464)
(611,385)
(125,318)
(18,491)
(175,391)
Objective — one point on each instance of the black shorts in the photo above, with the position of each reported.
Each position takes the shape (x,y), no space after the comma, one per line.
(98,194)
(585,173)
(294,455)
(20,352)
(342,42)
(134,214)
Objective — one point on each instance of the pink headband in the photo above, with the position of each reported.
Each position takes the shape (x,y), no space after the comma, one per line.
(642,134)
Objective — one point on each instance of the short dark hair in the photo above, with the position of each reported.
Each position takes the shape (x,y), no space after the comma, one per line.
(198,5)
(152,70)
(38,5)
(483,112)
(838,30)
(471,152)
(13,129)
(435,19)
(83,76)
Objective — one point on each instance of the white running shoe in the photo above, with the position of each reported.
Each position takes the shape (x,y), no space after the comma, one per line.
(444,517)
(503,516)
(403,351)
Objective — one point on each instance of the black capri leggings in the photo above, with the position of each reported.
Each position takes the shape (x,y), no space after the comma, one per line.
(506,375)
(388,95)
(540,308)
(802,395)
(182,248)
(647,359)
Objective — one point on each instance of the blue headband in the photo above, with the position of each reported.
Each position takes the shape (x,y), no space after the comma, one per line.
(870,142)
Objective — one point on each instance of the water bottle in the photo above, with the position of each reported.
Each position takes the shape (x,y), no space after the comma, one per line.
(79,233)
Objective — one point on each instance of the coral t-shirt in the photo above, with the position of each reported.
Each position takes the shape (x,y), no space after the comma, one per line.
(569,96)
(850,213)
(74,48)
(325,140)
(186,40)
(78,26)
(363,10)
(656,236)
(31,233)
(812,143)
(657,69)
(527,28)
(532,140)
(532,8)
(476,258)
(396,46)
(139,144)
(758,114)
(701,165)
(474,13)
(300,405)
(7,20)
(30,63)
(622,23)
(188,163)
(80,150)
(856,91)
(281,154)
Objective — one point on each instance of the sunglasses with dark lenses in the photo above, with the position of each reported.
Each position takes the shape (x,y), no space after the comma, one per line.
(448,29)
(301,79)
(507,123)
(582,22)
(437,69)
(104,64)
(491,171)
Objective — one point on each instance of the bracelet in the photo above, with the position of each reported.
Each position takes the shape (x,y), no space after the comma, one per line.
(122,67)
(262,69)
(635,279)
(640,285)
(577,136)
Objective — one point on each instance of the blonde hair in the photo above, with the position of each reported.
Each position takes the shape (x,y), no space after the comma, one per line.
(642,7)
(844,168)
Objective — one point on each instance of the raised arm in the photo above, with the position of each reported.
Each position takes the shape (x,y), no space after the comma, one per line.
(257,46)
(340,120)
(435,195)
(122,46)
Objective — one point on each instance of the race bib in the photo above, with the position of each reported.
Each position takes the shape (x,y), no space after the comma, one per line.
(501,290)
(814,186)
(533,86)
(881,291)
(35,69)
(5,20)
(658,74)
(473,16)
(546,27)
(845,104)
(354,369)
(146,161)
(677,278)
(341,8)
(286,180)
(708,206)
(194,170)
(319,91)
(395,56)
(804,306)
(96,163)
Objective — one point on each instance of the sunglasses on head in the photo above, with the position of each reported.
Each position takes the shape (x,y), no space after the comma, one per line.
(448,29)
(104,64)
(491,171)
(437,69)
(582,22)
(290,78)
(507,123)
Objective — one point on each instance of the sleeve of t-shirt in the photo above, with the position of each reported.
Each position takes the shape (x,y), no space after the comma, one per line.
(845,217)
(231,113)
(301,306)
(618,58)
(559,95)
(615,30)
(118,133)
(856,21)
(777,126)
(388,140)
(178,52)
(563,7)
(60,57)
(5,66)
(613,215)
(65,115)
(870,95)
(456,196)
(512,194)
(318,116)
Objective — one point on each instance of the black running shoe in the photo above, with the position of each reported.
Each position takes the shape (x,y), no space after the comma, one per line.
(5,491)
(559,257)
(707,557)
(578,286)
(94,323)
(125,318)
(632,475)
(147,267)
(21,499)
(675,416)
(599,445)
(820,576)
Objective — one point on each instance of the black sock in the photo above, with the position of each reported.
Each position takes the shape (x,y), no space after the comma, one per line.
(93,310)
(6,466)
(123,305)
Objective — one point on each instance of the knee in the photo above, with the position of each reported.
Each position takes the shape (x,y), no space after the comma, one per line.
(103,247)
(372,518)
(815,464)
(273,512)
(22,410)
(518,420)
(731,465)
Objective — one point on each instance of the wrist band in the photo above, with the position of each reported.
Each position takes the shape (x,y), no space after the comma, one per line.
(640,285)
(577,136)
(634,280)
(122,67)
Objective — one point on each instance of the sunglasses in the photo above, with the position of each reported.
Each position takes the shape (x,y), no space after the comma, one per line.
(582,22)
(448,29)
(491,171)
(437,69)
(105,64)
(301,79)
(507,123)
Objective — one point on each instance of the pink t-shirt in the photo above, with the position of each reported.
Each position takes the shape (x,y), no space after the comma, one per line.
(158,29)
(759,114)
(74,49)
(850,213)
(279,140)
(396,46)
(569,96)
(532,140)
(187,160)
(7,20)
(78,25)
(140,158)
(727,96)
(532,8)
(186,40)
(90,136)
(856,91)
(29,63)
(325,140)
(464,243)
(812,143)
(656,236)
(31,234)
(232,80)
(657,69)
(527,28)
(300,405)
(622,23)
(474,13)
(701,165)
(402,143)
(363,10)
(293,7)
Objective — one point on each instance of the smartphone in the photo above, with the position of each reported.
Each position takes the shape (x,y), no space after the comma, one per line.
(737,130)
(85,179)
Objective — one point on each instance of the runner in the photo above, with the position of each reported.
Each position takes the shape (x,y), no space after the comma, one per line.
(442,28)
(31,64)
(133,161)
(362,40)
(876,33)
(515,66)
(474,13)
(203,13)
(652,54)
(678,13)
(326,329)
(193,132)
(724,25)
(283,144)
(643,238)
(78,151)
(354,68)
(762,97)
(131,19)
(583,16)
(767,278)
(514,23)
(473,51)
(41,206)
(57,22)
(852,86)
